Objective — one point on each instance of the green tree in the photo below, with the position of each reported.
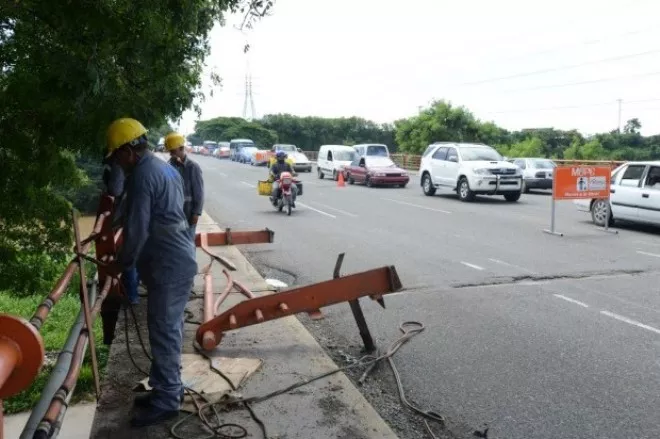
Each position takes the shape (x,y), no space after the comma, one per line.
(67,69)
(532,147)
(632,126)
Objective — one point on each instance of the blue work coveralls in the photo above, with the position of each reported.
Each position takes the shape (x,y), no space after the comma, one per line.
(193,190)
(114,181)
(157,241)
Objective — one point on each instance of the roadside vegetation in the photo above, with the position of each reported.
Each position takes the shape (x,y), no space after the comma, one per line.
(67,69)
(441,121)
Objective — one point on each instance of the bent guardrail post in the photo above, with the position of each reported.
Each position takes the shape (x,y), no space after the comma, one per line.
(204,240)
(373,283)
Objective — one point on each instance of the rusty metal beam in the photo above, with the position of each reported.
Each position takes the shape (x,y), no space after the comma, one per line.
(229,237)
(373,283)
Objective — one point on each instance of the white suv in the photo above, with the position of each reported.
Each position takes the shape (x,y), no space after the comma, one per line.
(470,170)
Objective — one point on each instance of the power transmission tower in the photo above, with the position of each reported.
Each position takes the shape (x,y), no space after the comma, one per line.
(249,99)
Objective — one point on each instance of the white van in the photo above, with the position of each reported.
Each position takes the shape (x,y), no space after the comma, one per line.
(332,159)
(372,150)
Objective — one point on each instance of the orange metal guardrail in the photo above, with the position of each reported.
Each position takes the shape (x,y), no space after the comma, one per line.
(21,344)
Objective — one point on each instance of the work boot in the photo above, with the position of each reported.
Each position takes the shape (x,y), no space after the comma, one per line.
(152,416)
(144,400)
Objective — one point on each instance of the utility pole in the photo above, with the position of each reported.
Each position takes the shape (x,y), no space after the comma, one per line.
(620,101)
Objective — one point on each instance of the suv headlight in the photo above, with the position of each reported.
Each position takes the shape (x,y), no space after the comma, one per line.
(518,171)
(481,171)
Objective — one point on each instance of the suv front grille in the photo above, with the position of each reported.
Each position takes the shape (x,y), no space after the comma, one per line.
(502,171)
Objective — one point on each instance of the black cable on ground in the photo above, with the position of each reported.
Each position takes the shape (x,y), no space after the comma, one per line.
(408,329)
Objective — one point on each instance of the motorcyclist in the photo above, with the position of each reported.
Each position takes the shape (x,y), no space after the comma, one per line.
(281,165)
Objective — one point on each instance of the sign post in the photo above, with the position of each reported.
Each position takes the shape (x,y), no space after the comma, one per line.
(579,183)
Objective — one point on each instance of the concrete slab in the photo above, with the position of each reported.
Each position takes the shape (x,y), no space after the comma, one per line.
(77,422)
(328,408)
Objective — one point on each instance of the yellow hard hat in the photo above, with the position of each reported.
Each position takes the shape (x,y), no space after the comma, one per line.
(124,131)
(174,141)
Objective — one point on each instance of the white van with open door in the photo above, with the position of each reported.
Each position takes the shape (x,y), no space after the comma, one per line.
(372,150)
(332,159)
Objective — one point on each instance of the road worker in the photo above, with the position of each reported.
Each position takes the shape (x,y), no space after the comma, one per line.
(113,178)
(193,183)
(156,239)
(281,165)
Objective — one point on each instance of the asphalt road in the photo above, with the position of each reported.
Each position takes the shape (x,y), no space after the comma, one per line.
(536,336)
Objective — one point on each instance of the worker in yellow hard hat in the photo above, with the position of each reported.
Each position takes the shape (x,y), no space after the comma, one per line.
(156,240)
(193,183)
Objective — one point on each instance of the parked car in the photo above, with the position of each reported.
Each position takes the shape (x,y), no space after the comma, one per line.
(245,154)
(298,160)
(470,170)
(372,149)
(634,195)
(375,171)
(333,158)
(536,172)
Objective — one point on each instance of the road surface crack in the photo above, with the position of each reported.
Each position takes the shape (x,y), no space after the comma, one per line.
(512,280)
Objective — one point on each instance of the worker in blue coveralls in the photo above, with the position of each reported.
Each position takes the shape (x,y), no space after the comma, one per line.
(114,178)
(156,239)
(193,183)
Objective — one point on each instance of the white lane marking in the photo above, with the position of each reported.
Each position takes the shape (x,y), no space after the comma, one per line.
(653,244)
(568,299)
(476,267)
(417,205)
(655,255)
(317,210)
(248,184)
(335,209)
(221,173)
(497,261)
(630,321)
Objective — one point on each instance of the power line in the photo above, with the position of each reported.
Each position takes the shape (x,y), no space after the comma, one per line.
(593,81)
(583,43)
(559,68)
(572,107)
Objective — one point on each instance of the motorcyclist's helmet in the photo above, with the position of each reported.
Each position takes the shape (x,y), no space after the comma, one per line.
(280,156)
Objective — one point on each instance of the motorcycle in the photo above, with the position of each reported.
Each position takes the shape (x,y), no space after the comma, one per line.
(285,200)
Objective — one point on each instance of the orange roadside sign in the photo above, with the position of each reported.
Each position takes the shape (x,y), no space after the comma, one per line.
(580,182)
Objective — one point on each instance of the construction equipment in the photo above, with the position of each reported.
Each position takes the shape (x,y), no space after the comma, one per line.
(373,283)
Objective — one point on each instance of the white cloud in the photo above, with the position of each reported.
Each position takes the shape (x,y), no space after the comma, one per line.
(381,61)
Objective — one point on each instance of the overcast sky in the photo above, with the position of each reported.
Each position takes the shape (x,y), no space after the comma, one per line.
(381,61)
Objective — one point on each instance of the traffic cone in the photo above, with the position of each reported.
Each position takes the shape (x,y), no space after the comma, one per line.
(340,180)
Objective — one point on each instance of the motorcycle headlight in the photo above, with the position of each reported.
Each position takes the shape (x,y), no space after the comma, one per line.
(481,171)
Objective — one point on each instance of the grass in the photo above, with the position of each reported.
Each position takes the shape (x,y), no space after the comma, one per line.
(54,332)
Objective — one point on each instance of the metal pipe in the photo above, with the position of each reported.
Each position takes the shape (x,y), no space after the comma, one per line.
(58,401)
(60,369)
(10,357)
(225,292)
(208,339)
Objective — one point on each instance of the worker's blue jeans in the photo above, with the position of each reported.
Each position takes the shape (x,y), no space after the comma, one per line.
(130,279)
(165,313)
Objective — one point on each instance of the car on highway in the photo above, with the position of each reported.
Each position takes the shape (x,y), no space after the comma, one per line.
(536,172)
(298,159)
(235,145)
(470,170)
(372,149)
(245,154)
(634,196)
(222,151)
(333,158)
(375,171)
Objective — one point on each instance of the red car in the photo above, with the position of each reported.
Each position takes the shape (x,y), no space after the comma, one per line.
(375,171)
